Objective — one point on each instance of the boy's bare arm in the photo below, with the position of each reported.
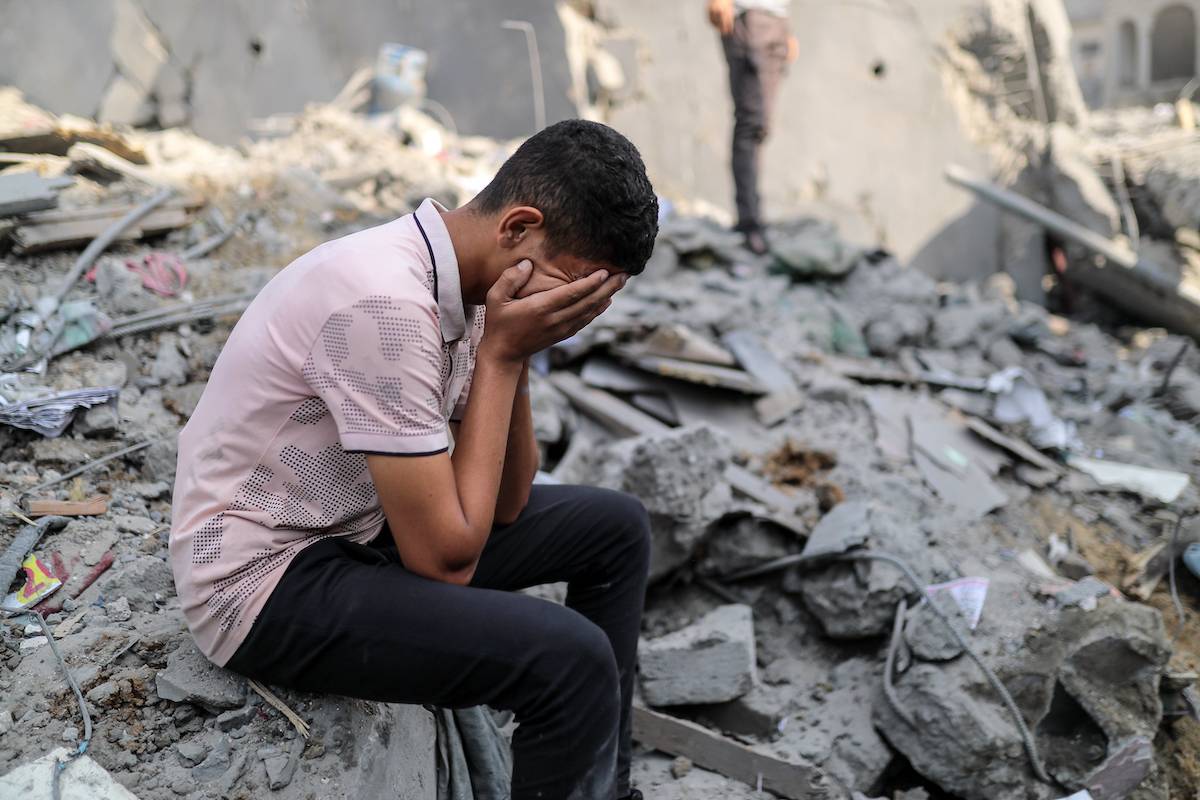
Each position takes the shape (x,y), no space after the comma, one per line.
(521,459)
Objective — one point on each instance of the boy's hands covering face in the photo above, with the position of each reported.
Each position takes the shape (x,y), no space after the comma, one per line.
(519,327)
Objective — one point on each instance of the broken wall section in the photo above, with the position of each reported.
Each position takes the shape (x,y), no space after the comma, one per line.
(218,66)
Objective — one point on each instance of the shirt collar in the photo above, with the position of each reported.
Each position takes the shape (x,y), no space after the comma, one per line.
(446,285)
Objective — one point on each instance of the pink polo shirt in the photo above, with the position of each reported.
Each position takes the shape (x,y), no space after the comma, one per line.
(362,345)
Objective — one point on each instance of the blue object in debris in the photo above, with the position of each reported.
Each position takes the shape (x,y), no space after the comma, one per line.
(1191,558)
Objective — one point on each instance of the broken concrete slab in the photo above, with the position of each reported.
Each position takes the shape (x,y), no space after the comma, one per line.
(192,678)
(680,477)
(926,633)
(1086,681)
(23,192)
(857,599)
(83,779)
(710,661)
(280,768)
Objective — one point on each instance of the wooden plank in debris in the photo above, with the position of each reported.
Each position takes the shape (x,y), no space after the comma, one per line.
(614,413)
(681,342)
(91,507)
(693,372)
(748,349)
(41,238)
(754,487)
(601,372)
(1015,446)
(111,212)
(714,752)
(92,158)
(869,373)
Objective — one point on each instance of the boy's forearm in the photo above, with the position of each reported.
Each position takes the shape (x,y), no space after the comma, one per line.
(521,460)
(480,450)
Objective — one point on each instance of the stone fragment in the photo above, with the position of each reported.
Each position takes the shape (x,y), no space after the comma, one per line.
(237,717)
(70,733)
(85,779)
(760,712)
(216,763)
(169,368)
(710,661)
(681,766)
(101,694)
(281,768)
(139,581)
(857,599)
(1074,566)
(184,399)
(192,752)
(6,721)
(928,636)
(98,420)
(829,722)
(128,523)
(192,678)
(118,609)
(1085,681)
(159,459)
(679,477)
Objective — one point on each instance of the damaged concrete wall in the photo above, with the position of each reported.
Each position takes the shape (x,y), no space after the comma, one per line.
(863,132)
(866,128)
(218,65)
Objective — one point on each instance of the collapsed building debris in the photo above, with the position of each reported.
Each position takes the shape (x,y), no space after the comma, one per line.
(774,414)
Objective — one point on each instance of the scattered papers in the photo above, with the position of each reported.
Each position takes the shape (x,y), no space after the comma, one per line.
(51,415)
(969,593)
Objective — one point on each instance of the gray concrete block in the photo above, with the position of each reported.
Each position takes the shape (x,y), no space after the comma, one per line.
(192,678)
(85,779)
(710,661)
(759,712)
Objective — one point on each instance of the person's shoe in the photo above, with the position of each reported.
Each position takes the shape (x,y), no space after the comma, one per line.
(756,242)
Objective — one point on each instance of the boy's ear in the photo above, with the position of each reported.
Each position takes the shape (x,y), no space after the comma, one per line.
(516,224)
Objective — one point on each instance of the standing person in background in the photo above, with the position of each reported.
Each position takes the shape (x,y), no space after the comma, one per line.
(758,47)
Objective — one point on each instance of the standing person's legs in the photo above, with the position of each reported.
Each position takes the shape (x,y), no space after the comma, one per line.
(756,52)
(349,619)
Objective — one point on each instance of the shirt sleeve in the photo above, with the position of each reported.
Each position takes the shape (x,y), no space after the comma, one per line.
(377,366)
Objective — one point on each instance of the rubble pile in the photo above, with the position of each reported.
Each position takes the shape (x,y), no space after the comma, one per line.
(911,539)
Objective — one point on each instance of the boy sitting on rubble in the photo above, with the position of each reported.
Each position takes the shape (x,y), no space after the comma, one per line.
(325,537)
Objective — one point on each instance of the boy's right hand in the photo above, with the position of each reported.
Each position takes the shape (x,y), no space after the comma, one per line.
(516,328)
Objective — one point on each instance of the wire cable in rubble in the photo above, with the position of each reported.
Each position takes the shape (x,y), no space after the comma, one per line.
(889,665)
(61,766)
(124,451)
(1179,612)
(1031,749)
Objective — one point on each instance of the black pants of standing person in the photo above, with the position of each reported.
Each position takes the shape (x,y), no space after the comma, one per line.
(349,619)
(757,53)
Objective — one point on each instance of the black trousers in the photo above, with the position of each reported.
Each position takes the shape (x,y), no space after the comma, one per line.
(756,52)
(349,619)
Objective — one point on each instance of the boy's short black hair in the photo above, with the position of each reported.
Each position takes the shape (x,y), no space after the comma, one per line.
(590,184)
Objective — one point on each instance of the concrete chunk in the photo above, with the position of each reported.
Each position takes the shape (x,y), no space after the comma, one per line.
(192,678)
(84,779)
(710,661)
